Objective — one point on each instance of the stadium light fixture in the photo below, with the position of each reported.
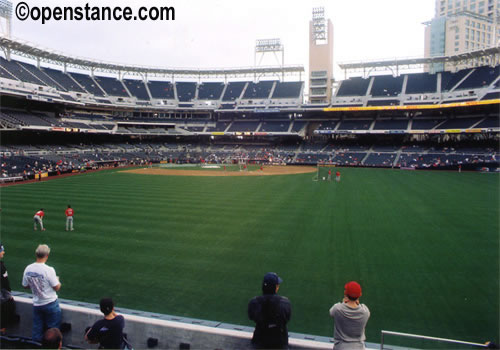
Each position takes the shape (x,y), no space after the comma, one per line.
(5,17)
(274,46)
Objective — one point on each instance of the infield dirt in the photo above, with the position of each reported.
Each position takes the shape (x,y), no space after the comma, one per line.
(269,170)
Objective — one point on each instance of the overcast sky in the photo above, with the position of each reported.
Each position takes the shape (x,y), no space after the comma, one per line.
(222,33)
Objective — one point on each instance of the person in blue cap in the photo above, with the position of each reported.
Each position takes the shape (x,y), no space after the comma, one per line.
(271,313)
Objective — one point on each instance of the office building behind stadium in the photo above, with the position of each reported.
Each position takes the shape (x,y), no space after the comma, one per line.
(461,26)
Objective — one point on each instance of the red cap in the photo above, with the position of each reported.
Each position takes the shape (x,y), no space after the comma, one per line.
(353,289)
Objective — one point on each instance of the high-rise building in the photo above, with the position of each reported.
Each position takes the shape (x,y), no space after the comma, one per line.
(461,26)
(320,57)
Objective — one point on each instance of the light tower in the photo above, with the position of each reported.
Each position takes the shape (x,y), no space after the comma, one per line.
(265,46)
(320,57)
(5,17)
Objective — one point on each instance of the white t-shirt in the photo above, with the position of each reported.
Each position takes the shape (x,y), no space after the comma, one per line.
(41,279)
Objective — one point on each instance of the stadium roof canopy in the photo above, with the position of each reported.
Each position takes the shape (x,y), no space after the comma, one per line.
(492,54)
(28,50)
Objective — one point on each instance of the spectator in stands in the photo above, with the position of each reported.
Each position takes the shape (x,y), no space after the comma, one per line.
(108,332)
(271,313)
(38,219)
(52,339)
(350,318)
(44,283)
(8,306)
(69,218)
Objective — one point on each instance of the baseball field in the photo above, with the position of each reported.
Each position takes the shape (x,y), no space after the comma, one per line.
(424,245)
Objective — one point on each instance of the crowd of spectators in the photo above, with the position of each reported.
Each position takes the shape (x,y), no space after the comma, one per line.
(29,161)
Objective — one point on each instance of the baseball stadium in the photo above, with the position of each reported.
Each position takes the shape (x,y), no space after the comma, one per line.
(189,185)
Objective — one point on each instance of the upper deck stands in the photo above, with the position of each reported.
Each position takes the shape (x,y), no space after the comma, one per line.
(112,86)
(421,83)
(387,85)
(4,73)
(63,80)
(287,89)
(210,91)
(161,90)
(233,90)
(88,84)
(137,88)
(449,79)
(186,91)
(480,77)
(39,74)
(19,72)
(260,90)
(353,87)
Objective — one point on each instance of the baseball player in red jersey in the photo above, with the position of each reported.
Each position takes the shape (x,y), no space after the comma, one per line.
(337,176)
(38,219)
(69,218)
(329,174)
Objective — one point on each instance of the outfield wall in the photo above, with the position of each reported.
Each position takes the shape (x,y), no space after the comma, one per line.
(170,331)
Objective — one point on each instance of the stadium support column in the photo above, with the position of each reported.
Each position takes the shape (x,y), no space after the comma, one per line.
(320,57)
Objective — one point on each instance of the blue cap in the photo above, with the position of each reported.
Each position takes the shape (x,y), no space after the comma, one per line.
(271,279)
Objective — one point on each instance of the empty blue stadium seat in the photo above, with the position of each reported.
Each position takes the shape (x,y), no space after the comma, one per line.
(289,89)
(387,85)
(19,72)
(186,91)
(162,90)
(210,91)
(355,125)
(233,90)
(244,126)
(275,126)
(396,124)
(480,77)
(449,79)
(356,86)
(39,74)
(87,83)
(137,88)
(63,80)
(421,83)
(260,90)
(112,86)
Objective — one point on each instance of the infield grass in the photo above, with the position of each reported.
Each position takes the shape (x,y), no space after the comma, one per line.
(423,245)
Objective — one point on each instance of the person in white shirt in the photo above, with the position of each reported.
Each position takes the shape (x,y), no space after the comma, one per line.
(44,283)
(350,319)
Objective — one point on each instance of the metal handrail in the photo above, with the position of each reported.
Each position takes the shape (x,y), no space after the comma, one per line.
(416,336)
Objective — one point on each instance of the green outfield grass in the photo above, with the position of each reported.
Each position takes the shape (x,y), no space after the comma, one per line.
(424,245)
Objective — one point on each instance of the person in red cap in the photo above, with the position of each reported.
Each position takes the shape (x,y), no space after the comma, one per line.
(350,318)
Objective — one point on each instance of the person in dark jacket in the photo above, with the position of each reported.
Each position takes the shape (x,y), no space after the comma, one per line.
(271,313)
(108,332)
(8,314)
